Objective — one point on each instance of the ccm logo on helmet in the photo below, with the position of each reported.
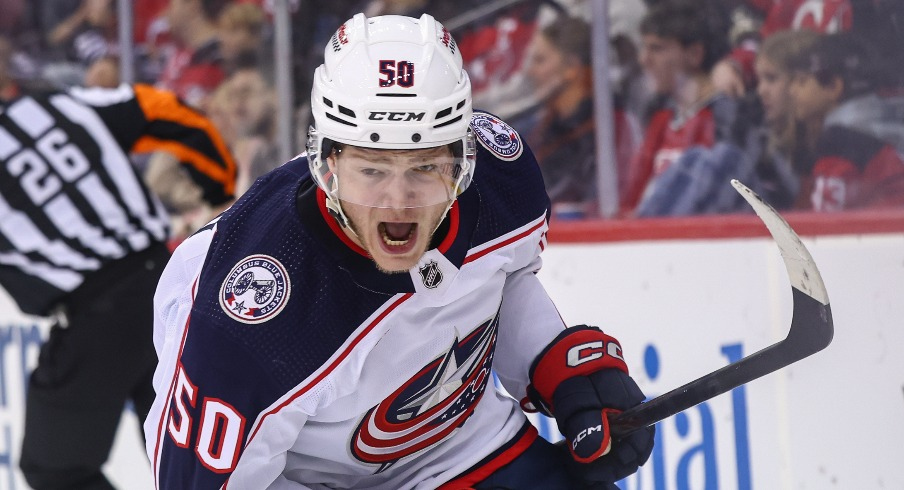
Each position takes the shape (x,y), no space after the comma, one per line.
(589,351)
(396,116)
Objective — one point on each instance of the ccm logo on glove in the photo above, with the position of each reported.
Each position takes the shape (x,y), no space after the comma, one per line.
(586,432)
(591,351)
(581,378)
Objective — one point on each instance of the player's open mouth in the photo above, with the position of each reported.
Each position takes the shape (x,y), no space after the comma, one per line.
(396,235)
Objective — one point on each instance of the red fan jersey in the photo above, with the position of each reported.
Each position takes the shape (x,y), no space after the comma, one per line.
(827,16)
(859,156)
(668,134)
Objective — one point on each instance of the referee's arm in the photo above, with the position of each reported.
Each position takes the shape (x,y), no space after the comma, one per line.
(156,120)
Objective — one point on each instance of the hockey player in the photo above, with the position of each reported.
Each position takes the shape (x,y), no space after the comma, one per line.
(83,241)
(339,325)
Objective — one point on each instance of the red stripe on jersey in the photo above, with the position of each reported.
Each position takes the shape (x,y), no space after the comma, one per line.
(485,470)
(164,414)
(453,229)
(477,255)
(172,388)
(334,225)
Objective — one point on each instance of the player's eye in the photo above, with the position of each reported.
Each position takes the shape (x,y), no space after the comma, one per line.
(371,172)
(430,167)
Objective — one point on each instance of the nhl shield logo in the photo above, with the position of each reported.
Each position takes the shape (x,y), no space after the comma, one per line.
(255,290)
(431,275)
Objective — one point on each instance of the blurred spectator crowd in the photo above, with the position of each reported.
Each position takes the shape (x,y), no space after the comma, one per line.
(802,100)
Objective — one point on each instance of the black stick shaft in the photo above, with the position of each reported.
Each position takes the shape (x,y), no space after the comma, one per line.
(811,331)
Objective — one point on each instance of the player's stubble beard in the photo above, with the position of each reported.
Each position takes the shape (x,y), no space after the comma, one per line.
(424,237)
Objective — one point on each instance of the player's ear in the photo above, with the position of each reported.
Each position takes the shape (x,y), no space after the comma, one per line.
(331,158)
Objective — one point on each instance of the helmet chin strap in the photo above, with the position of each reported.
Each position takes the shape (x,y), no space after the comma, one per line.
(455,192)
(335,210)
(441,218)
(334,207)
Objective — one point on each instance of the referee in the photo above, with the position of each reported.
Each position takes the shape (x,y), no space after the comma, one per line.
(83,241)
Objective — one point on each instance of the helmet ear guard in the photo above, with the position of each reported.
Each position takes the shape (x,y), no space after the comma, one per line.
(391,82)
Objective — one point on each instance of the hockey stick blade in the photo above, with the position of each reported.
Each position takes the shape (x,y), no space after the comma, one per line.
(811,331)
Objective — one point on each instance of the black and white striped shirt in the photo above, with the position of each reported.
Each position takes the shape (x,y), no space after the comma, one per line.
(71,201)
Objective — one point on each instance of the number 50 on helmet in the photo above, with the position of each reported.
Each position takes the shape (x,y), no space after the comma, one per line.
(392,82)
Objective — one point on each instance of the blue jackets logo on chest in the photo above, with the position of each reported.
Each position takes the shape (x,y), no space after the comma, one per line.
(430,406)
(255,290)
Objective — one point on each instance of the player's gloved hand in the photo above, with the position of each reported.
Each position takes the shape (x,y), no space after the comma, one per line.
(579,379)
(578,403)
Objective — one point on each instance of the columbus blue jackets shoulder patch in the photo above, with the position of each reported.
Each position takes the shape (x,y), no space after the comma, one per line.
(255,290)
(497,136)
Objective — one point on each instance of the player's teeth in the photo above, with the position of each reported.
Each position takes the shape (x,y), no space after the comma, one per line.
(391,241)
(394,243)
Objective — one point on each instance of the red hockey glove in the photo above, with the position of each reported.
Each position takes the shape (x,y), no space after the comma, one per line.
(578,379)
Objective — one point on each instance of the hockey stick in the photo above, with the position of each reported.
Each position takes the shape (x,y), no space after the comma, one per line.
(811,331)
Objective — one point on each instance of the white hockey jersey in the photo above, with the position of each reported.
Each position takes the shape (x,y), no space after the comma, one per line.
(288,360)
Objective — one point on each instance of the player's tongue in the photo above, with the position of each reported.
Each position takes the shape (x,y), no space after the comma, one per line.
(396,234)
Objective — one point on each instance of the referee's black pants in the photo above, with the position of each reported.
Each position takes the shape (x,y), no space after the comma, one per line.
(88,370)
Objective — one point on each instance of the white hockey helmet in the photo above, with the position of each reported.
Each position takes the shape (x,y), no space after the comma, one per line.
(391,82)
